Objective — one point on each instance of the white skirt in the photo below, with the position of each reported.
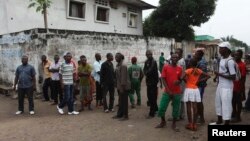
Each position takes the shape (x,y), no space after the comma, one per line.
(192,95)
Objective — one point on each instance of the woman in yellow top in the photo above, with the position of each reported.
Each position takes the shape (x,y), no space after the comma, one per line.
(192,93)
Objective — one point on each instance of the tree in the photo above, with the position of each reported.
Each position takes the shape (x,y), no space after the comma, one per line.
(41,6)
(235,42)
(176,18)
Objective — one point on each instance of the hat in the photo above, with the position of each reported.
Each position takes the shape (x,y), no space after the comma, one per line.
(65,53)
(225,44)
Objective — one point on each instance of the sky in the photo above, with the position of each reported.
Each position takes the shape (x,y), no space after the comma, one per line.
(231,17)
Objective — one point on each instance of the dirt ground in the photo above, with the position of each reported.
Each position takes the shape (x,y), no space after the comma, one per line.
(48,125)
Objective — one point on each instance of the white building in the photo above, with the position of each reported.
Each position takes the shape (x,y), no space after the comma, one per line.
(112,16)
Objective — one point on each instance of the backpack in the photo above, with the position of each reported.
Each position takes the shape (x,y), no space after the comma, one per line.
(237,70)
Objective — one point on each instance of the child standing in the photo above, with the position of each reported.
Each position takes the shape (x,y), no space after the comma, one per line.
(192,93)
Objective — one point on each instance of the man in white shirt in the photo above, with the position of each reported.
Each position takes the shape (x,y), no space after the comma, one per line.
(96,74)
(55,83)
(224,92)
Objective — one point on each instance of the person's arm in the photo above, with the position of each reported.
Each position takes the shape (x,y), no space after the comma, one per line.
(205,78)
(15,80)
(141,75)
(231,69)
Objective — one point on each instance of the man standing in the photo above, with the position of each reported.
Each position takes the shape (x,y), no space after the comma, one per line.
(182,64)
(55,83)
(96,74)
(152,78)
(171,76)
(239,88)
(25,77)
(202,64)
(46,77)
(66,74)
(107,79)
(224,92)
(136,76)
(123,87)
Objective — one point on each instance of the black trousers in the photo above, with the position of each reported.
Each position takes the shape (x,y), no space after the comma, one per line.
(111,90)
(123,104)
(152,99)
(98,91)
(21,95)
(46,86)
(56,91)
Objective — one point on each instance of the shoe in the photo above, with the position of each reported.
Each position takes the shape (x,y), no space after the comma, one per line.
(32,112)
(123,119)
(73,113)
(60,110)
(106,111)
(189,126)
(161,125)
(216,123)
(19,112)
(112,110)
(116,117)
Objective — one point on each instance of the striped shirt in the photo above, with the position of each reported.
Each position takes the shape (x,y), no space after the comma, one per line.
(67,71)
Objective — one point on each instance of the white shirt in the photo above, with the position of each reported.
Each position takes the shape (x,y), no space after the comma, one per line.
(55,75)
(97,67)
(223,82)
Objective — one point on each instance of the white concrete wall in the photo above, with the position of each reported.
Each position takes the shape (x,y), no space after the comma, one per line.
(35,44)
(15,16)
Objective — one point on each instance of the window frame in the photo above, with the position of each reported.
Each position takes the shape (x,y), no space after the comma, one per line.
(105,7)
(136,22)
(76,18)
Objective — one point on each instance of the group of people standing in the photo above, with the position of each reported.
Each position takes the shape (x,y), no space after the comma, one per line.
(182,84)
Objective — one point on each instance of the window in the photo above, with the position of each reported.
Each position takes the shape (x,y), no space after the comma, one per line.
(76,9)
(132,19)
(102,2)
(102,14)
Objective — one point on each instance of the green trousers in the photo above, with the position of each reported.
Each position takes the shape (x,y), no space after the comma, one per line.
(165,99)
(135,88)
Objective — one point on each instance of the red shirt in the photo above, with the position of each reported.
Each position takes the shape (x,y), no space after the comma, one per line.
(237,84)
(172,74)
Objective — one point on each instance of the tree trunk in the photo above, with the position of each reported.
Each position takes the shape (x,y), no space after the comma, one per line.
(45,17)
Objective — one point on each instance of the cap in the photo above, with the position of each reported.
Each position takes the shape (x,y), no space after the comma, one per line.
(225,44)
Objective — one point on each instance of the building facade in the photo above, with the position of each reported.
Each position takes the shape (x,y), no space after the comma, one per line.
(111,16)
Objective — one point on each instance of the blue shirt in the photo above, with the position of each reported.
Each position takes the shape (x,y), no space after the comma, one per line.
(25,74)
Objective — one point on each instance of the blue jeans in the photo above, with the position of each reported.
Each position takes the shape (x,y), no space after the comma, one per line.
(68,98)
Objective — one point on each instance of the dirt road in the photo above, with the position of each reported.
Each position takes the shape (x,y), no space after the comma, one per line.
(48,125)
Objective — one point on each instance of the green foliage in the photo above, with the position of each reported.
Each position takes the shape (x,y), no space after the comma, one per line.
(41,5)
(234,42)
(175,18)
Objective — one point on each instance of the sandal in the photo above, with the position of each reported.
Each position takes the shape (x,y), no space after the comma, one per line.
(176,129)
(161,125)
(189,126)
